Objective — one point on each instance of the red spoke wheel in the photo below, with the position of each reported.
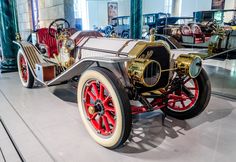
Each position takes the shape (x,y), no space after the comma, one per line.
(104,107)
(25,74)
(188,103)
(179,101)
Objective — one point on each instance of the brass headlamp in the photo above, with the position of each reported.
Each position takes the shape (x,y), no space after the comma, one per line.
(190,65)
(144,71)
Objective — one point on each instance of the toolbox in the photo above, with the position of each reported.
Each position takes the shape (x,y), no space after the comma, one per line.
(45,71)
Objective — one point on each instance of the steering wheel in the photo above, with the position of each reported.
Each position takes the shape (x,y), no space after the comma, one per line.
(60,25)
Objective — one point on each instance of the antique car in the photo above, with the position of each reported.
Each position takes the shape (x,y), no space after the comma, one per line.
(226,17)
(121,26)
(116,78)
(105,30)
(209,27)
(153,20)
(208,39)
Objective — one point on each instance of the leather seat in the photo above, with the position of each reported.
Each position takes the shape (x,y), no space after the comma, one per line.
(50,42)
(198,34)
(186,30)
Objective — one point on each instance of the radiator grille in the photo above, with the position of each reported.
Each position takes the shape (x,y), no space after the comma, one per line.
(162,55)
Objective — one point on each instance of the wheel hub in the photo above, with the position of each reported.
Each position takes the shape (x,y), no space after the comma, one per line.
(99,107)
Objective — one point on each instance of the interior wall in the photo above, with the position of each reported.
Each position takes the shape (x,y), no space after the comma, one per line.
(24,17)
(153,6)
(97,11)
(50,10)
(189,6)
(230,4)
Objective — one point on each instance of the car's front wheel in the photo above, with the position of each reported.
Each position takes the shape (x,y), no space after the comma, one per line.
(191,98)
(104,107)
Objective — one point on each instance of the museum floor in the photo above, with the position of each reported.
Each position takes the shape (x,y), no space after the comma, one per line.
(45,125)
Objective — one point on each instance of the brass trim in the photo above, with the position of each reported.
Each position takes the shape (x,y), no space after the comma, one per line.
(136,69)
(91,110)
(184,62)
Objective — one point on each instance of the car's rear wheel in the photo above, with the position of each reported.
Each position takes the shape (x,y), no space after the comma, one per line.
(190,100)
(104,107)
(26,77)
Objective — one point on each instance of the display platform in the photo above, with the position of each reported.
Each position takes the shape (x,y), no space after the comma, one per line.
(46,126)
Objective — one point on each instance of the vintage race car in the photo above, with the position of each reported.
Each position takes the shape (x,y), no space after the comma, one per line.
(209,39)
(117,78)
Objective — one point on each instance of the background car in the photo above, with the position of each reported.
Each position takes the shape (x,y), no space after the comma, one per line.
(153,20)
(121,26)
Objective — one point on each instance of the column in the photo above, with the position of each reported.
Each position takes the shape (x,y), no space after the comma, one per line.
(8,31)
(136,19)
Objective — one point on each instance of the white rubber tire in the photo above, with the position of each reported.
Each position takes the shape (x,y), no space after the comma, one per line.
(113,140)
(30,79)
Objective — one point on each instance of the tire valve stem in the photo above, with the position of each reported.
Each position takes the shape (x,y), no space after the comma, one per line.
(114,117)
(98,132)
(88,119)
(84,100)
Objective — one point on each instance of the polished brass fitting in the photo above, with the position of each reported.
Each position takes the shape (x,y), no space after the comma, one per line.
(152,35)
(91,110)
(144,71)
(190,65)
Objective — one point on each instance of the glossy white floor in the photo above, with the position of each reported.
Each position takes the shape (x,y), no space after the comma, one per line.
(46,126)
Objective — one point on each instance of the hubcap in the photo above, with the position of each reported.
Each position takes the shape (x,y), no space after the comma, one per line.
(99,107)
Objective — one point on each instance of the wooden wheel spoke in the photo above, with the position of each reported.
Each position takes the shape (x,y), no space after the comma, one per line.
(109,108)
(95,89)
(106,99)
(91,95)
(110,118)
(94,116)
(100,121)
(107,127)
(101,93)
